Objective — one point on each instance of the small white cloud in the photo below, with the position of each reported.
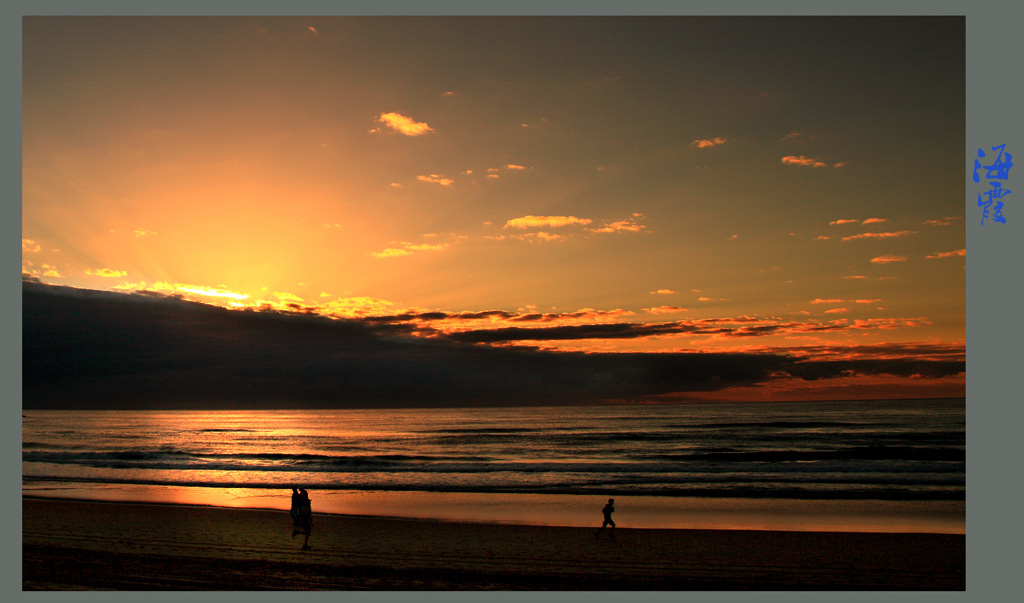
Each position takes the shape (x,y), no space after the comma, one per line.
(545,221)
(404,125)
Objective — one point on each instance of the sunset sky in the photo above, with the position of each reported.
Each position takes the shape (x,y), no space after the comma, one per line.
(791,186)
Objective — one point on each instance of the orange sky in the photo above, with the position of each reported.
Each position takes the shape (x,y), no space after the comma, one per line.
(650,185)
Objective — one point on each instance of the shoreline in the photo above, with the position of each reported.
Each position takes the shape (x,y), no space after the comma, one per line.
(70,545)
(642,512)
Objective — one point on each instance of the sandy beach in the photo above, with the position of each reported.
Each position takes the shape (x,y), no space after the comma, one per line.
(73,545)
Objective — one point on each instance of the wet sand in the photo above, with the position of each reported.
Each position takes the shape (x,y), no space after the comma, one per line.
(73,545)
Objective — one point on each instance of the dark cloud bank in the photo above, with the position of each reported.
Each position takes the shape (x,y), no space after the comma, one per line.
(92,349)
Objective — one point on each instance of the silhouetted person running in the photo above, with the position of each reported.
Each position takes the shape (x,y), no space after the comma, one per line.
(607,510)
(304,522)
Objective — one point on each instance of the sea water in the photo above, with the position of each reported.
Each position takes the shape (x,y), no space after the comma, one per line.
(889,465)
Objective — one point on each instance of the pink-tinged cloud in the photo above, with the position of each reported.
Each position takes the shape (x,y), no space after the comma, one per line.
(404,125)
(513,166)
(821,238)
(879,235)
(867,301)
(30,246)
(803,161)
(663,292)
(545,221)
(836,311)
(666,310)
(828,301)
(889,323)
(709,142)
(107,273)
(947,254)
(874,220)
(434,178)
(888,259)
(841,222)
(942,221)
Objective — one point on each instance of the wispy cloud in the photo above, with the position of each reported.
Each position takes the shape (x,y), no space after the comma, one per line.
(405,248)
(837,311)
(185,291)
(531,221)
(107,273)
(666,310)
(803,161)
(663,292)
(390,252)
(709,142)
(841,222)
(947,254)
(942,221)
(791,136)
(828,301)
(46,270)
(435,179)
(888,259)
(30,246)
(286,297)
(404,125)
(875,220)
(628,225)
(879,235)
(142,232)
(867,301)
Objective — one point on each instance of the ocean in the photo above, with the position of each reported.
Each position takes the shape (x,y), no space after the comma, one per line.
(885,465)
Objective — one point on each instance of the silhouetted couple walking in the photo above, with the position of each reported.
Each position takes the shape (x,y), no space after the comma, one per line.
(302,515)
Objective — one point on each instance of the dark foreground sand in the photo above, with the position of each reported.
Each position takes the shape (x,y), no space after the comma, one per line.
(88,545)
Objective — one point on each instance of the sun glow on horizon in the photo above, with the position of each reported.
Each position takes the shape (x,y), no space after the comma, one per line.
(328,161)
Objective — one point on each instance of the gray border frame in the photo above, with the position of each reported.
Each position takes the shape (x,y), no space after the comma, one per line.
(993,292)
